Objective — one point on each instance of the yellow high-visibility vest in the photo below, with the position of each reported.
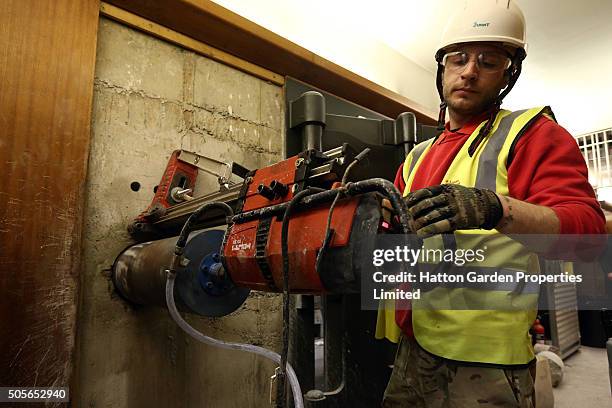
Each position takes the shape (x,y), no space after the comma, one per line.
(386,328)
(489,323)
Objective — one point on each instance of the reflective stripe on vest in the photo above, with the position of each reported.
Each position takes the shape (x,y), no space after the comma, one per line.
(497,336)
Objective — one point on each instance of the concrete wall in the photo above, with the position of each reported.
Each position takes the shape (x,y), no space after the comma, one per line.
(152,98)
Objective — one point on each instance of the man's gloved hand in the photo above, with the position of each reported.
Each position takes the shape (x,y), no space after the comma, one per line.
(450,207)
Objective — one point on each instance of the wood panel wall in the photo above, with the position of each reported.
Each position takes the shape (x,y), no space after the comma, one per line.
(47,57)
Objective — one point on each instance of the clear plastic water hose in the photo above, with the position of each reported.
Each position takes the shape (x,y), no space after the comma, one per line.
(293,380)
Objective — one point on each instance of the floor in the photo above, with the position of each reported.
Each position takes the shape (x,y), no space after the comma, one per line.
(585,380)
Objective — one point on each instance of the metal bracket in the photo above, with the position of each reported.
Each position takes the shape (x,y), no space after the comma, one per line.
(222,170)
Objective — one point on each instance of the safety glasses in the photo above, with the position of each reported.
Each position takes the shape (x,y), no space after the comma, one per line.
(488,62)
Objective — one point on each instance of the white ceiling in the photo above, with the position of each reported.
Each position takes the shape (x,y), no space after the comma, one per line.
(569,62)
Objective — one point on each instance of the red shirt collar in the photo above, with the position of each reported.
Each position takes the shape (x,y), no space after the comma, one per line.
(469,127)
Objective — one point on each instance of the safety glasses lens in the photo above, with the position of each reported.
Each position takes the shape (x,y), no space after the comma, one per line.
(487,61)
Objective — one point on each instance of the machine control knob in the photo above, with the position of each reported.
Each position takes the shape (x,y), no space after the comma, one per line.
(279,188)
(265,191)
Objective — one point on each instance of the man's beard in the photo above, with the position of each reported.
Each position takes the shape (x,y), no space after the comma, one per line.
(487,102)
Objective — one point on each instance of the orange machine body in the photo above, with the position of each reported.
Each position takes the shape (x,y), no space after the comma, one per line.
(305,237)
(252,250)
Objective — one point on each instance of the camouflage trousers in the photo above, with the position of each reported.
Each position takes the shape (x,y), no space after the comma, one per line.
(422,380)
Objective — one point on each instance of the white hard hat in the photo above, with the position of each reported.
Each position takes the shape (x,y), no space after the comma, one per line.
(486,20)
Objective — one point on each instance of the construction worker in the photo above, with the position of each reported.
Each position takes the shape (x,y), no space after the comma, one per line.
(492,172)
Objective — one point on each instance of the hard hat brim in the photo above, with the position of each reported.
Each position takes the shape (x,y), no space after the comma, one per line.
(509,41)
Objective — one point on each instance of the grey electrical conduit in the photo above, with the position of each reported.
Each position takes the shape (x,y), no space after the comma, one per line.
(293,380)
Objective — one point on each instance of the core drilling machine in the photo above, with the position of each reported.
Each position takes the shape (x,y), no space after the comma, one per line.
(300,226)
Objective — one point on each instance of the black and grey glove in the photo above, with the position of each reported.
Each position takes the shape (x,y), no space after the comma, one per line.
(450,207)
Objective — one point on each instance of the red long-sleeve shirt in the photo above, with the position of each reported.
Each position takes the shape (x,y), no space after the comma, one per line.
(546,169)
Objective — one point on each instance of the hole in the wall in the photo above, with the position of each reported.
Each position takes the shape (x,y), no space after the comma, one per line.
(155,189)
(135,186)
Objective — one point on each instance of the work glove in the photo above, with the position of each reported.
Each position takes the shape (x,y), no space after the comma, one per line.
(449,207)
